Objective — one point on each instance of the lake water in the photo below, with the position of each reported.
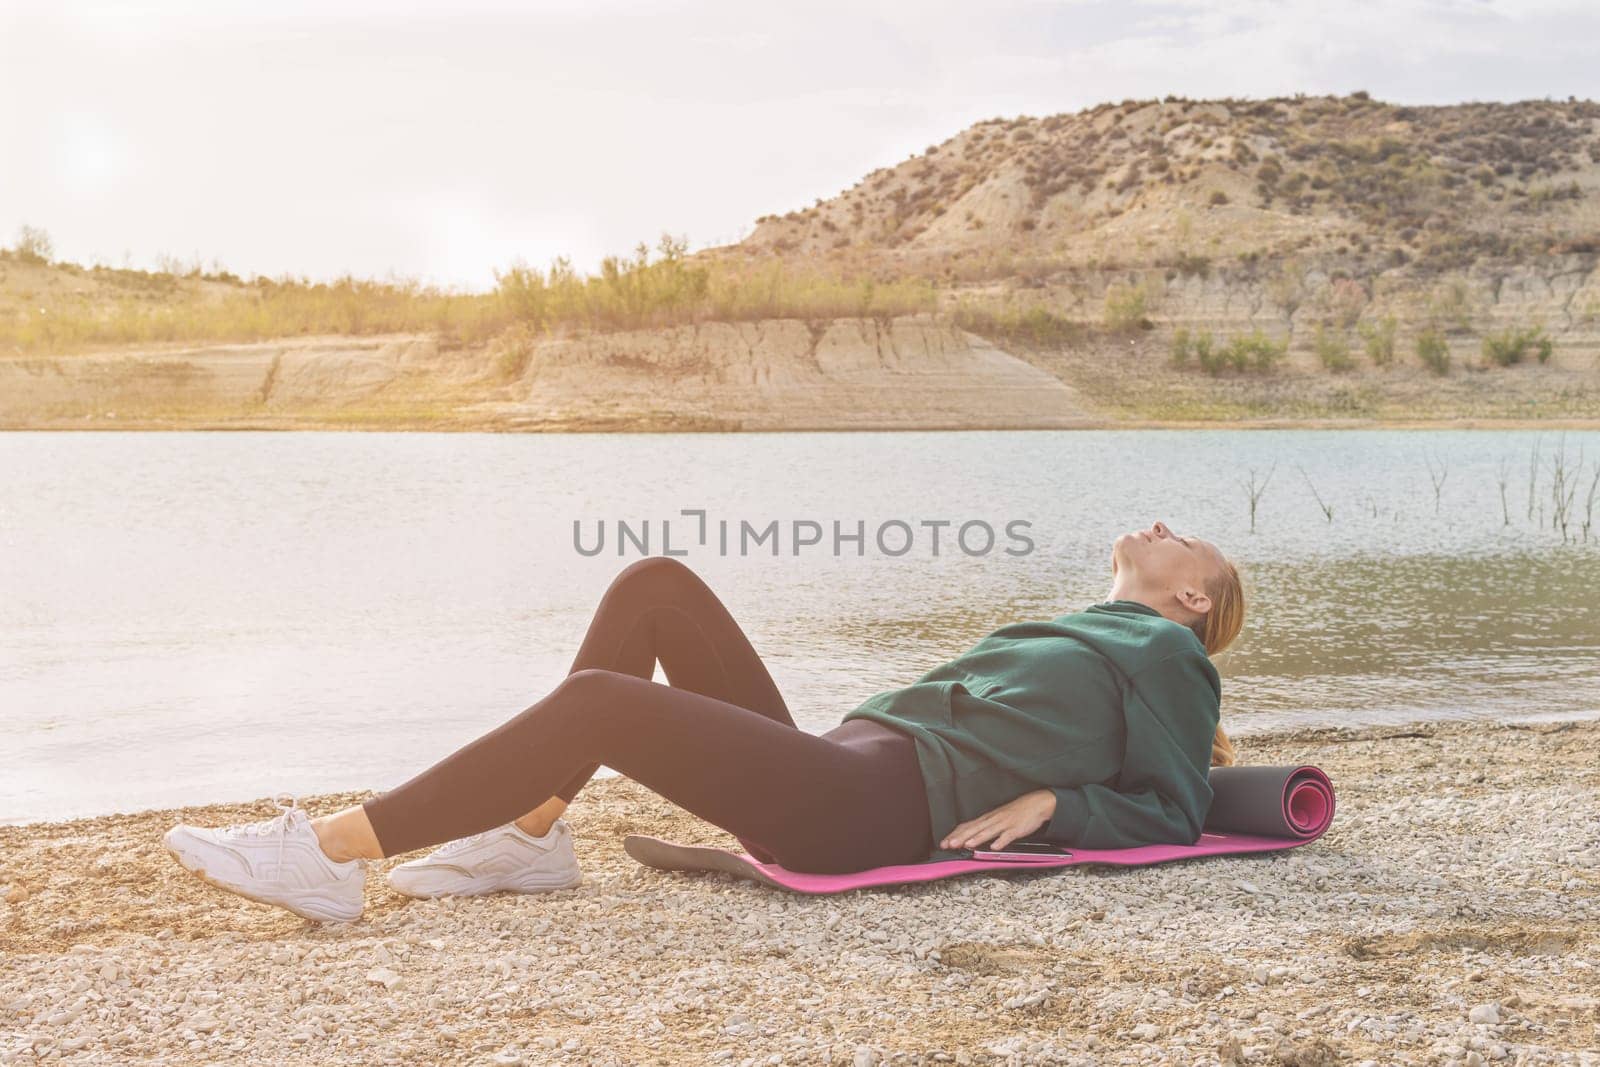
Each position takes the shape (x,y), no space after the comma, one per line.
(192,617)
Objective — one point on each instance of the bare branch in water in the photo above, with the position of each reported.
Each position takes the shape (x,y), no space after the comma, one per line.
(1563,487)
(1327,509)
(1588,502)
(1503,476)
(1437,477)
(1255,490)
(1533,476)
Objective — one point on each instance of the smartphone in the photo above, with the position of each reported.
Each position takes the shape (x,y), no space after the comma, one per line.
(1022,850)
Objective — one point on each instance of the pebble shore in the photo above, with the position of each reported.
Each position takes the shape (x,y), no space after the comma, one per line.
(1451,915)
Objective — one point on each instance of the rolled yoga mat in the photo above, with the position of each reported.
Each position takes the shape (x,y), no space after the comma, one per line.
(1253,809)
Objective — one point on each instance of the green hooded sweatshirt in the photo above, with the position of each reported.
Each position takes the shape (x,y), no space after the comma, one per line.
(1112,708)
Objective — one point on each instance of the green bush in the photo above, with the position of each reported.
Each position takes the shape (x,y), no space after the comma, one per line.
(1180,348)
(1126,307)
(1202,346)
(1188,263)
(1253,352)
(1333,349)
(1450,306)
(1379,338)
(1036,326)
(1432,351)
(1512,345)
(33,245)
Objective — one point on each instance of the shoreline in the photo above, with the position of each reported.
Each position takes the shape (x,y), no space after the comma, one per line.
(646,427)
(1452,908)
(1267,736)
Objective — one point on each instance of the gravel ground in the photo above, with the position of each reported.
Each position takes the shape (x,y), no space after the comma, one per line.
(1449,916)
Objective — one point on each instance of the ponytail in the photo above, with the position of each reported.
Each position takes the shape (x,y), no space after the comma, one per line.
(1216,631)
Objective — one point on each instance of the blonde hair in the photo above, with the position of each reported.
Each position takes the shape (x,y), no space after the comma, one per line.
(1216,630)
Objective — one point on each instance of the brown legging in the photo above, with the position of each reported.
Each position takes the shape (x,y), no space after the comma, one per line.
(718,741)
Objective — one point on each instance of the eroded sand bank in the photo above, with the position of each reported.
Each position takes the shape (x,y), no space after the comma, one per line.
(847,374)
(916,372)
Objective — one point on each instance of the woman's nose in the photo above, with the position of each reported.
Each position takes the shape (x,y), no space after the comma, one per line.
(1159,528)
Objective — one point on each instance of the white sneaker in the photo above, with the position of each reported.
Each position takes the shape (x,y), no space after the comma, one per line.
(274,861)
(502,859)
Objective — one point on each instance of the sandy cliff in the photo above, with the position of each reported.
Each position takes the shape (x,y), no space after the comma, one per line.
(787,374)
(856,374)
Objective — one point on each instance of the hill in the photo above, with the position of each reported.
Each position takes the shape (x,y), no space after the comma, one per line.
(1236,182)
(1323,260)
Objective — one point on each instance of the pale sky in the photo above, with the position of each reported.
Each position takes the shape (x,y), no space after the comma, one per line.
(439,140)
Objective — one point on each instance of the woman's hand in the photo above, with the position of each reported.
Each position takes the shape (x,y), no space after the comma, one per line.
(1004,824)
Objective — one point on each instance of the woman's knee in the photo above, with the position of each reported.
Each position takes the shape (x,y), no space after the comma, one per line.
(594,683)
(657,581)
(614,696)
(654,568)
(590,701)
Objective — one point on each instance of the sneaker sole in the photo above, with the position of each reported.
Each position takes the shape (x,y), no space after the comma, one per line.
(304,910)
(542,882)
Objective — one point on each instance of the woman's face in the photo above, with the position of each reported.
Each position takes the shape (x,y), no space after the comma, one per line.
(1163,561)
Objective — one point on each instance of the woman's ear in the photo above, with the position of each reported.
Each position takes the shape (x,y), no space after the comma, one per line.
(1194,600)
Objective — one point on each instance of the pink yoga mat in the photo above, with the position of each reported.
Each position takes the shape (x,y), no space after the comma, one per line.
(1254,809)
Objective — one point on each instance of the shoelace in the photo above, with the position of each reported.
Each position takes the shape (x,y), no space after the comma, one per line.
(452,847)
(290,814)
